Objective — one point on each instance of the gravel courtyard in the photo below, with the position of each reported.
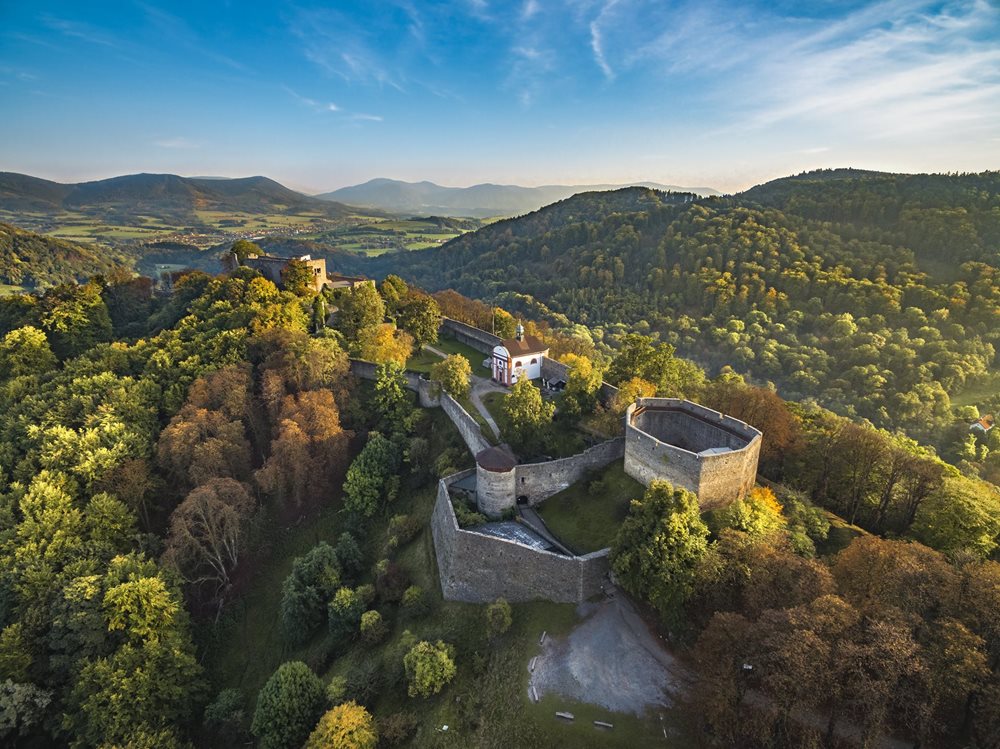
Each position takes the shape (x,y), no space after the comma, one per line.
(610,659)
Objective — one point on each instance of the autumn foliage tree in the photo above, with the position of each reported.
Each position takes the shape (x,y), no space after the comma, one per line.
(346,726)
(308,453)
(205,540)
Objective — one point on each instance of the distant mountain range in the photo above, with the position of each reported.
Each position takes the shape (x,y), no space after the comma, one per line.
(478,201)
(161,195)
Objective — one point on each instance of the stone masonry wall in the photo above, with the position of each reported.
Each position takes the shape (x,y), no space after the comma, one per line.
(495,491)
(367,370)
(716,479)
(539,481)
(477,568)
(468,427)
(470,336)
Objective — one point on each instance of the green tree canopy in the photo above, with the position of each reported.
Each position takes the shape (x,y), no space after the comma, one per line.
(421,318)
(453,374)
(288,707)
(368,484)
(297,277)
(526,416)
(360,308)
(658,547)
(429,667)
(25,351)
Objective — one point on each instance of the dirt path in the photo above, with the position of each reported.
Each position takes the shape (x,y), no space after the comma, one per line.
(481,386)
(610,659)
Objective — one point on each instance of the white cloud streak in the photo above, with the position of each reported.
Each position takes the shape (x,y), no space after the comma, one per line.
(891,68)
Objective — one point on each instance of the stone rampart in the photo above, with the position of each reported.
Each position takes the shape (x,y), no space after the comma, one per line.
(470,336)
(477,568)
(367,370)
(539,481)
(468,427)
(693,447)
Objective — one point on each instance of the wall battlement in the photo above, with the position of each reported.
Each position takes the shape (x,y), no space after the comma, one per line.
(479,568)
(693,447)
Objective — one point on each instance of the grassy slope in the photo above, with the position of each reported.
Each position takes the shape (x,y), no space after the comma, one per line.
(587,521)
(475,357)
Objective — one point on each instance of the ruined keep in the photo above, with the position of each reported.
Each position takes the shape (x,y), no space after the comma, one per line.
(693,447)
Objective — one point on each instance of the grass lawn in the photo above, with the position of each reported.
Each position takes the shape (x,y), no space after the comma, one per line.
(978,392)
(422,361)
(475,357)
(586,516)
(474,413)
(494,404)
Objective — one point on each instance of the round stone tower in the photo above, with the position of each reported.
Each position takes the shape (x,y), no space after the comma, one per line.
(496,481)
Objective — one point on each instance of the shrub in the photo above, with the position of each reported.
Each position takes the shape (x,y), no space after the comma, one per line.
(226,711)
(373,628)
(346,726)
(429,668)
(392,583)
(466,517)
(365,681)
(349,555)
(404,527)
(345,613)
(499,617)
(396,728)
(336,691)
(415,601)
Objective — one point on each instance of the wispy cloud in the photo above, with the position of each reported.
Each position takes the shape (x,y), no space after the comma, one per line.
(342,47)
(80,30)
(177,31)
(597,38)
(892,67)
(177,142)
(314,104)
(328,106)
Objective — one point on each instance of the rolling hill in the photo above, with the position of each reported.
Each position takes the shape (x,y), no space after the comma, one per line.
(478,201)
(31,260)
(877,294)
(165,196)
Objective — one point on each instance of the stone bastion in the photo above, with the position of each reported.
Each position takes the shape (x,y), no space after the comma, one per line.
(693,447)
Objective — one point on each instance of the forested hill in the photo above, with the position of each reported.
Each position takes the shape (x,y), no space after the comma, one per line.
(32,260)
(844,311)
(166,195)
(940,217)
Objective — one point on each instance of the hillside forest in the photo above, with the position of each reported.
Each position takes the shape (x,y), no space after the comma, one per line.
(876,295)
(212,534)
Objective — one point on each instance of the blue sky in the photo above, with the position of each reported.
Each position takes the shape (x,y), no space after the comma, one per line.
(319,96)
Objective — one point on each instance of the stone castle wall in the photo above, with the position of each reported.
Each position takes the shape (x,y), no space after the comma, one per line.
(467,426)
(477,568)
(653,425)
(539,481)
(470,336)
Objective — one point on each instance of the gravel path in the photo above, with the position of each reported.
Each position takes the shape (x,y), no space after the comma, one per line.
(481,386)
(610,659)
